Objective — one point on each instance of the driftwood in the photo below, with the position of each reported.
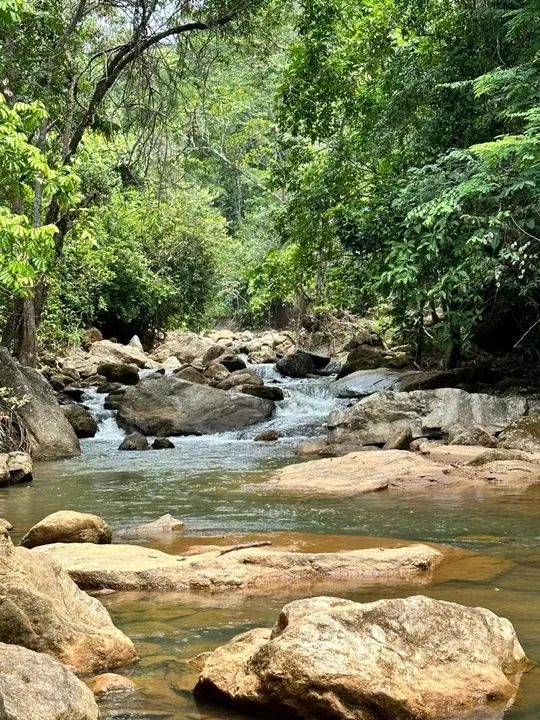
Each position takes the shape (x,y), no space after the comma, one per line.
(244,546)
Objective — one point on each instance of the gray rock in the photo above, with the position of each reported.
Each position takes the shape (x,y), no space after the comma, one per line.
(429,413)
(162,443)
(300,364)
(34,686)
(50,434)
(268,392)
(168,406)
(15,468)
(523,434)
(134,441)
(81,420)
(191,374)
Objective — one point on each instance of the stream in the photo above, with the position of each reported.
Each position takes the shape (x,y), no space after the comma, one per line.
(200,482)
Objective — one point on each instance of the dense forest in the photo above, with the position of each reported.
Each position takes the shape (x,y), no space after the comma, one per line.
(168,165)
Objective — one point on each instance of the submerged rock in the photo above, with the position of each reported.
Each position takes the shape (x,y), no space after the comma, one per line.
(168,406)
(111,683)
(268,392)
(67,526)
(42,609)
(130,567)
(162,443)
(412,659)
(49,433)
(164,524)
(267,436)
(34,686)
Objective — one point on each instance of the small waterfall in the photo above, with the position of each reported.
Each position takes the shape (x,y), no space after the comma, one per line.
(108,430)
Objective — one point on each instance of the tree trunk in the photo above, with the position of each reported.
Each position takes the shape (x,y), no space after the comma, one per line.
(20,331)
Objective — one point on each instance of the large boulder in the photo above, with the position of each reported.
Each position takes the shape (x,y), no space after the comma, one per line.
(134,441)
(81,420)
(184,346)
(15,468)
(116,372)
(429,413)
(243,569)
(405,659)
(168,406)
(68,526)
(301,363)
(49,434)
(523,434)
(34,686)
(106,351)
(42,609)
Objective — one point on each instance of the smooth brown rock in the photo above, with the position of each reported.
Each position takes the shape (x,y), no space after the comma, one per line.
(405,659)
(68,526)
(117,372)
(354,474)
(191,374)
(106,351)
(240,378)
(267,436)
(42,609)
(109,683)
(162,443)
(268,392)
(130,567)
(310,450)
(34,686)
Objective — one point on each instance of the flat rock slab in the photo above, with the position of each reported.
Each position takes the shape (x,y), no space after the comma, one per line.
(131,567)
(359,473)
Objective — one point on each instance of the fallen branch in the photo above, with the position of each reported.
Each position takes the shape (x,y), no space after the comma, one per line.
(244,546)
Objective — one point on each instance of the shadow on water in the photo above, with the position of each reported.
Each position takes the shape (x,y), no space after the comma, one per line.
(200,482)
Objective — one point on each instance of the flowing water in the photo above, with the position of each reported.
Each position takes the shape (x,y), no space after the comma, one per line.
(201,480)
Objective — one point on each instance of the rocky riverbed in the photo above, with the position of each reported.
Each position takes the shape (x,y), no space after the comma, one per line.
(445,462)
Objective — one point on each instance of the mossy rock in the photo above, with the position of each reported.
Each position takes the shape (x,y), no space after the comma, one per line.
(523,434)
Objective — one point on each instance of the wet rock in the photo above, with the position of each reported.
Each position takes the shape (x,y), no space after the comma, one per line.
(108,388)
(81,420)
(239,378)
(474,436)
(130,567)
(119,373)
(268,392)
(42,609)
(164,524)
(523,434)
(168,406)
(162,443)
(49,433)
(67,526)
(15,467)
(400,441)
(362,383)
(111,683)
(231,361)
(267,436)
(301,363)
(134,441)
(401,658)
(34,686)
(73,393)
(113,399)
(429,413)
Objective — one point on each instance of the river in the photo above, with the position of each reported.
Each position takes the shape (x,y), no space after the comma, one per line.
(200,482)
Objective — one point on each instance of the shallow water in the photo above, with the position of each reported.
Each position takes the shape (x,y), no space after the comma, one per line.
(201,482)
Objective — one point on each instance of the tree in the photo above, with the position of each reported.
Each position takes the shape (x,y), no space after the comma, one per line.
(46,59)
